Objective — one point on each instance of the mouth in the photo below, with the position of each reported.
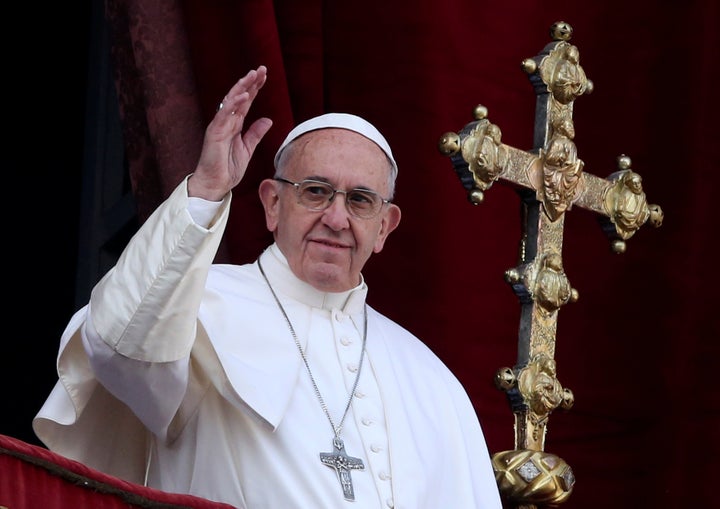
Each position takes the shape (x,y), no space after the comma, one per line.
(330,243)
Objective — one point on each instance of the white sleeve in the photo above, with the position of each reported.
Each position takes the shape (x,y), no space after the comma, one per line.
(141,320)
(154,391)
(146,306)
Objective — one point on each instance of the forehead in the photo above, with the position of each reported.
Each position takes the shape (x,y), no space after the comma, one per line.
(338,148)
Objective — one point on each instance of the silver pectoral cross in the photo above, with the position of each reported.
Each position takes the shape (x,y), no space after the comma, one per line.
(342,463)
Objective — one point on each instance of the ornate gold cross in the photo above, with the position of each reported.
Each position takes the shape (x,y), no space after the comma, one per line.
(550,180)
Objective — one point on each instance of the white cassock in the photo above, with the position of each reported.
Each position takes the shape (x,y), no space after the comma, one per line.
(204,390)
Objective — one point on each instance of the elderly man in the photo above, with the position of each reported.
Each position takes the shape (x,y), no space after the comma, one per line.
(271,384)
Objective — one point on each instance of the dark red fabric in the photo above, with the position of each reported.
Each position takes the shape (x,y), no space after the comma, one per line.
(639,346)
(33,477)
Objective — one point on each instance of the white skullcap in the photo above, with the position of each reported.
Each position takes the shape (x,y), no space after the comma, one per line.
(339,121)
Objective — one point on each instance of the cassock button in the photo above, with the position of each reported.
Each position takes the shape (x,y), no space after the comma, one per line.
(384,476)
(376,448)
(345,341)
(367,421)
(390,503)
(352,367)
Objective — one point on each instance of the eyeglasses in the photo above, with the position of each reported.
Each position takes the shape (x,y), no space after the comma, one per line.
(318,195)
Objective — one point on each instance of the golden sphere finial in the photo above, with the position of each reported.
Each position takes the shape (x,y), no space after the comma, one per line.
(656,215)
(480,112)
(512,276)
(624,162)
(505,379)
(449,144)
(476,196)
(618,246)
(568,399)
(561,31)
(529,65)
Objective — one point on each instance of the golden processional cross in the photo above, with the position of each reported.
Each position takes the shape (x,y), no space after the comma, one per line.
(550,180)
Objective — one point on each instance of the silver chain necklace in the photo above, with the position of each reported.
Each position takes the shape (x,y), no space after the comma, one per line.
(338,459)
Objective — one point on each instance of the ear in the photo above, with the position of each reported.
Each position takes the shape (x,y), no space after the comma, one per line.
(268,192)
(390,221)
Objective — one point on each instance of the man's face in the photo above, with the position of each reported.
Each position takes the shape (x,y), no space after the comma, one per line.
(329,248)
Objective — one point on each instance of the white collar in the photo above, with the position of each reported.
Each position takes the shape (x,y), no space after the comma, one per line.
(284,281)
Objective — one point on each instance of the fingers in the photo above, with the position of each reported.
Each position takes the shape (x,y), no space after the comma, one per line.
(226,149)
(240,96)
(232,111)
(255,133)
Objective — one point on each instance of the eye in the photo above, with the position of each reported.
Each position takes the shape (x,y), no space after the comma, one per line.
(316,190)
(364,199)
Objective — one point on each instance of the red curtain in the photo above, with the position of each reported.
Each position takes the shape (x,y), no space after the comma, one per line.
(638,349)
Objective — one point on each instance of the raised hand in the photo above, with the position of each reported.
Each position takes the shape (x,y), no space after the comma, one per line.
(226,150)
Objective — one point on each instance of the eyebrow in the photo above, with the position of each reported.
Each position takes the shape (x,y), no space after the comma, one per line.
(327,181)
(316,177)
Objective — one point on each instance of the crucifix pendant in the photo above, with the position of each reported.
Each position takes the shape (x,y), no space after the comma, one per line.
(342,463)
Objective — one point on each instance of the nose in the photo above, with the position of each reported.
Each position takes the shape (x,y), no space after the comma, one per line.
(337,192)
(336,215)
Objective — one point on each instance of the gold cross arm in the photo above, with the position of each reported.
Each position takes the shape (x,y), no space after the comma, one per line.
(554,173)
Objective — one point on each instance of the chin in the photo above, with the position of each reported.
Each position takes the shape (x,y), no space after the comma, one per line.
(329,278)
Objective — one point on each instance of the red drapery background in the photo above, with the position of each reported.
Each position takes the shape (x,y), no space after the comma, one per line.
(639,348)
